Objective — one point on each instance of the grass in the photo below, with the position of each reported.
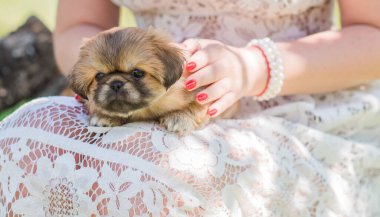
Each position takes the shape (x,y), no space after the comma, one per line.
(9,111)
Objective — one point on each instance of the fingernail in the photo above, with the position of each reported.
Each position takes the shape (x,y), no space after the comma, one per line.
(190,84)
(212,112)
(190,66)
(201,97)
(77,98)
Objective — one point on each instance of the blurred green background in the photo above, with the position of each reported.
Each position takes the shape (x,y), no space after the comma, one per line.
(13,13)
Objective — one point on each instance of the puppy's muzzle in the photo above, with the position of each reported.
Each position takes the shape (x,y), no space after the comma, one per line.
(116,85)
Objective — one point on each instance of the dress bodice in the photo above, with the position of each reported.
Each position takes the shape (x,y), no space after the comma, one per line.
(234,22)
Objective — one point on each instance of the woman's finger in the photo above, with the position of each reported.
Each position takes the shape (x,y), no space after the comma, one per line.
(214,91)
(204,57)
(205,76)
(206,42)
(222,104)
(195,44)
(191,45)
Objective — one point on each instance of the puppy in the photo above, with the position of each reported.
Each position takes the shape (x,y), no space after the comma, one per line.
(130,74)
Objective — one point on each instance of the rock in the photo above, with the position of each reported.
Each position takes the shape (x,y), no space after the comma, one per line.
(27,65)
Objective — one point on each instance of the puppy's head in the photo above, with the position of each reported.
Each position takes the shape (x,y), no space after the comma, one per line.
(122,70)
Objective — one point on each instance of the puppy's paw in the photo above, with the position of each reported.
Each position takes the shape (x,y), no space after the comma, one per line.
(99,121)
(179,123)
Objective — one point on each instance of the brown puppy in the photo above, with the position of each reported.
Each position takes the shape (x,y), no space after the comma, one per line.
(130,74)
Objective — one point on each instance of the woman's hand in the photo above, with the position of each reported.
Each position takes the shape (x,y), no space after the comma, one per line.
(227,73)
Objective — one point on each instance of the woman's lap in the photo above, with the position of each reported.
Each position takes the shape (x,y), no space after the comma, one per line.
(257,164)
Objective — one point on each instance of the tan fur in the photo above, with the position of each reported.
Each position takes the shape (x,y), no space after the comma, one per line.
(116,53)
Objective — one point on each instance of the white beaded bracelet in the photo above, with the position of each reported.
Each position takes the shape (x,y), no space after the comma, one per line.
(275,67)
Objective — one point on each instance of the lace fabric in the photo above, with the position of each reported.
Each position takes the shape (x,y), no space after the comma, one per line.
(261,164)
(234,22)
(304,155)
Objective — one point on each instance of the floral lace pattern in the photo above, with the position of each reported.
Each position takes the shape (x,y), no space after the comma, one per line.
(234,22)
(305,155)
(278,158)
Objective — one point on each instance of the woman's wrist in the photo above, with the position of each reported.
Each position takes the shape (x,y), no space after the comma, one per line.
(255,67)
(275,68)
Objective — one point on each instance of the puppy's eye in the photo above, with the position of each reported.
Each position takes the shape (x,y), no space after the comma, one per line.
(99,76)
(137,73)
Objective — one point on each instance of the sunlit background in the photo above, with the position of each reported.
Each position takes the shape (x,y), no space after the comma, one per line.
(13,13)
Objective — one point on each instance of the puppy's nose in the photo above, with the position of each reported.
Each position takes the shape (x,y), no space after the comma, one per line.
(116,85)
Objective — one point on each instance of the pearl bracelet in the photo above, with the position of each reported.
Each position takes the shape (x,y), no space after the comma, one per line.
(275,67)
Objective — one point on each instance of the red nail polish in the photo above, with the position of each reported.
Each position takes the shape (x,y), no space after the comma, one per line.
(78,98)
(190,66)
(201,97)
(190,84)
(212,112)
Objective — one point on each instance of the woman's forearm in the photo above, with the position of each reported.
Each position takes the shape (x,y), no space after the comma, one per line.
(67,44)
(331,60)
(77,20)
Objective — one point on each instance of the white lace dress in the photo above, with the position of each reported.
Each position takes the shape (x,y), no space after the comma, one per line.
(292,156)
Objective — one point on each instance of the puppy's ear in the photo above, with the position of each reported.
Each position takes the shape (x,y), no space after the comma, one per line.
(77,83)
(171,56)
(80,77)
(173,62)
